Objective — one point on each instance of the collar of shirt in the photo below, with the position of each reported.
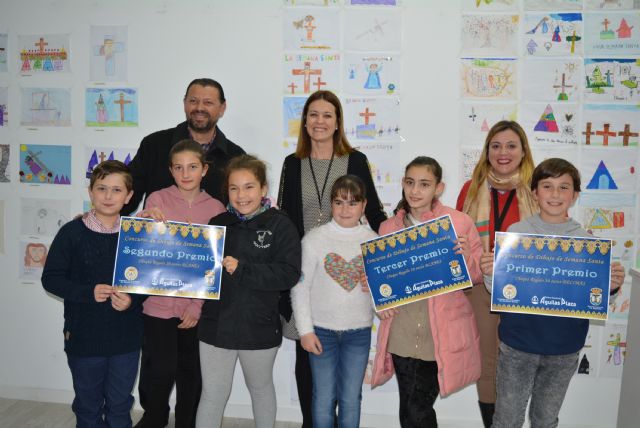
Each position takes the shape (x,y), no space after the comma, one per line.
(94,224)
(205,147)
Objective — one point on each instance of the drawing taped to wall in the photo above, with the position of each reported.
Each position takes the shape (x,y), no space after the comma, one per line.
(549,80)
(311,28)
(108,47)
(33,255)
(469,157)
(611,80)
(487,78)
(611,4)
(611,125)
(555,34)
(551,123)
(609,215)
(111,107)
(94,155)
(372,118)
(372,29)
(43,217)
(609,169)
(489,35)
(5,162)
(371,74)
(552,5)
(489,5)
(305,73)
(612,33)
(292,115)
(476,118)
(47,53)
(40,164)
(45,107)
(613,351)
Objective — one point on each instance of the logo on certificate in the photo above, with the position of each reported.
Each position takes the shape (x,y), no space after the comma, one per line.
(456,269)
(209,277)
(385,290)
(131,273)
(509,291)
(595,297)
(408,290)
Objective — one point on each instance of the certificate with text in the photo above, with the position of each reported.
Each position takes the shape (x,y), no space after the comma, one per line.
(414,264)
(169,259)
(551,275)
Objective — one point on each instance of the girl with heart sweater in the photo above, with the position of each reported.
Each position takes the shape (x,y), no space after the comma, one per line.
(333,309)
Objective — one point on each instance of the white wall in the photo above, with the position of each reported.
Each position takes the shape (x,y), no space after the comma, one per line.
(238,43)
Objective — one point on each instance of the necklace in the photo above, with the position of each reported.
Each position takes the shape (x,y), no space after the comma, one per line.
(324,185)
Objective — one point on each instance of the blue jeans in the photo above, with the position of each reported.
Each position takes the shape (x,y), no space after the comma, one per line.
(103,388)
(544,378)
(337,376)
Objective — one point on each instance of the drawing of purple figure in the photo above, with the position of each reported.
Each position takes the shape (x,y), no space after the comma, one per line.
(1,114)
(101,111)
(32,164)
(556,35)
(373,80)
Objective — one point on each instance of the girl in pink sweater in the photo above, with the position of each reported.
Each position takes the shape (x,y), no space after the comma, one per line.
(170,348)
(432,345)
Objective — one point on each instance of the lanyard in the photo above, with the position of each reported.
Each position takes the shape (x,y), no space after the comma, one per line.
(498,217)
(315,181)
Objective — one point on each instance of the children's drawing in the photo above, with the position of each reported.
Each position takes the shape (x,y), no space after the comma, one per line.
(553,4)
(373,2)
(551,123)
(551,80)
(477,118)
(612,33)
(111,107)
(5,175)
(48,53)
(489,5)
(609,215)
(620,304)
(311,28)
(609,169)
(488,78)
(292,115)
(3,52)
(611,79)
(108,47)
(610,125)
(624,251)
(614,350)
(33,256)
(45,107)
(611,4)
(589,354)
(489,35)
(43,217)
(94,155)
(305,73)
(310,2)
(555,34)
(367,74)
(4,106)
(469,157)
(372,29)
(41,164)
(382,162)
(372,118)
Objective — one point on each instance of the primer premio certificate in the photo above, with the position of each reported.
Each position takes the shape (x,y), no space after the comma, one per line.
(414,264)
(169,259)
(551,275)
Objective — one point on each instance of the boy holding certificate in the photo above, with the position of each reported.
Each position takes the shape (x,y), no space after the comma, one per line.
(102,326)
(539,354)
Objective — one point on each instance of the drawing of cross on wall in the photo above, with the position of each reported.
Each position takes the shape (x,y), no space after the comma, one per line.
(307,72)
(617,353)
(367,130)
(122,103)
(108,50)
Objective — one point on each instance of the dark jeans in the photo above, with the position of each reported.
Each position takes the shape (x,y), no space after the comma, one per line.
(103,388)
(169,355)
(418,388)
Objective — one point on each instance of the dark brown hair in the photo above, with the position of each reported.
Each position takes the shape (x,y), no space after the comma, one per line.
(109,167)
(349,187)
(424,161)
(204,81)
(187,146)
(249,162)
(554,168)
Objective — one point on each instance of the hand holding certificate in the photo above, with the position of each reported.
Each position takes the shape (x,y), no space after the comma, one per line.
(169,259)
(551,275)
(414,264)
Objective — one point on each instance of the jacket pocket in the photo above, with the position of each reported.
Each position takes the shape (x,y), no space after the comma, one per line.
(459,322)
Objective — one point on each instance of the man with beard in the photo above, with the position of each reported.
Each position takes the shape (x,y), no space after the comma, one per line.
(204,104)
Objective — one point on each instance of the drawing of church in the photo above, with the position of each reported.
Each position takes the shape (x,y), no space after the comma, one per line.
(602,179)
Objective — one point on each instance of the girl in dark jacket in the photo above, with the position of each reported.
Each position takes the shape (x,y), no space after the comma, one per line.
(262,259)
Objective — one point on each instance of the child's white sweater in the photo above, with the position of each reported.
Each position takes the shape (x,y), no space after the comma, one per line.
(329,294)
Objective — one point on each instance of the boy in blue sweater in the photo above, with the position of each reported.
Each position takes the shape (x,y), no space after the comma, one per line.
(102,326)
(539,354)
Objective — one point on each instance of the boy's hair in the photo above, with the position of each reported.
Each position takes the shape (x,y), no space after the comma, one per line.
(109,167)
(555,167)
(425,161)
(249,162)
(349,187)
(187,146)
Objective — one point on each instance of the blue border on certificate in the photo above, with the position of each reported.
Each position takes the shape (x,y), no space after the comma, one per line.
(169,259)
(564,276)
(414,264)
